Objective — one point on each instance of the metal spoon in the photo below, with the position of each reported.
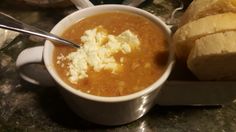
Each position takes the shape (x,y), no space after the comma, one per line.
(10,23)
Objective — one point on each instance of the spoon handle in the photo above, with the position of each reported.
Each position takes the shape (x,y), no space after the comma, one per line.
(10,23)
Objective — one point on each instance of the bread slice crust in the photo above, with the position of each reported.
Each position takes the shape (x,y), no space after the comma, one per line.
(213,57)
(184,38)
(202,8)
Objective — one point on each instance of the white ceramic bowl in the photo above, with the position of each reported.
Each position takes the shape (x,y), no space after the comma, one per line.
(105,110)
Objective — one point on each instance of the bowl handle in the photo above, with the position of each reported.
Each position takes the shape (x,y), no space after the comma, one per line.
(171,21)
(31,69)
(80,4)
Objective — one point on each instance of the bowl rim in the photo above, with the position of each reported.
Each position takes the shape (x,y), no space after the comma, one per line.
(155,86)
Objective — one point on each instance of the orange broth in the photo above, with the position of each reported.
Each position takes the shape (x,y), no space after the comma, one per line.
(141,67)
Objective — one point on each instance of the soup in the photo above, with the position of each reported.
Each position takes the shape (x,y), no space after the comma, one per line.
(140,61)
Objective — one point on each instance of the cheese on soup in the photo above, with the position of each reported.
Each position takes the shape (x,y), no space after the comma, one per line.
(96,52)
(121,53)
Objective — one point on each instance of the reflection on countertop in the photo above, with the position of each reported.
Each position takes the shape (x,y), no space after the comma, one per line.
(28,107)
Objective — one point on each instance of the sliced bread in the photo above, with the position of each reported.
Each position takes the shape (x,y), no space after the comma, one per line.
(213,57)
(184,38)
(201,8)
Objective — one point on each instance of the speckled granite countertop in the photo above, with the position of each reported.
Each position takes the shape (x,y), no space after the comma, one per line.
(26,107)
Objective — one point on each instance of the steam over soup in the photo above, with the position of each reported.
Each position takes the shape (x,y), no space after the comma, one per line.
(121,53)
